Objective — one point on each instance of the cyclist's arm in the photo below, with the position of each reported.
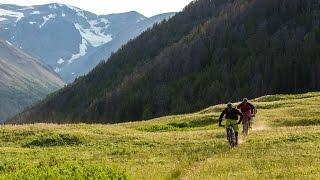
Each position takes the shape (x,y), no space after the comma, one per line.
(253,109)
(221,116)
(239,106)
(240,114)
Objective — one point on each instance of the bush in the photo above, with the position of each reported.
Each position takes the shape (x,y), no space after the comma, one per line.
(56,140)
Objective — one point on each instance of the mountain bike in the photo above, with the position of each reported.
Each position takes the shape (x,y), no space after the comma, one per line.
(231,136)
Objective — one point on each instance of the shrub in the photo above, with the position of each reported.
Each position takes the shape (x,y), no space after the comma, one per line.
(56,140)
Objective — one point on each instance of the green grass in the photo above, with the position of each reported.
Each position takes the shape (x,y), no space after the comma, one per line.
(284,143)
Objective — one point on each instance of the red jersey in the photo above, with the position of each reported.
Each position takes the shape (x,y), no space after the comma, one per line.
(245,107)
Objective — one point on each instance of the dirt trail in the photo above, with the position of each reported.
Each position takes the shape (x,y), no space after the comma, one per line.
(260,127)
(194,167)
(241,140)
(255,128)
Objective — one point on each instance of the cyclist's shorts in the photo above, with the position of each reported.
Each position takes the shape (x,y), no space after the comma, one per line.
(233,123)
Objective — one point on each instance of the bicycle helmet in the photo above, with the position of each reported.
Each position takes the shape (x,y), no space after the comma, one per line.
(229,105)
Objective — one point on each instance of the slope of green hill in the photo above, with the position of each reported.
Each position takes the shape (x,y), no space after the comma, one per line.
(284,143)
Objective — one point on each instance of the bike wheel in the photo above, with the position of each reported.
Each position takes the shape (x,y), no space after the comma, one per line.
(231,138)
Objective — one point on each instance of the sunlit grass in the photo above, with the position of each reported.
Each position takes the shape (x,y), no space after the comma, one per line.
(284,143)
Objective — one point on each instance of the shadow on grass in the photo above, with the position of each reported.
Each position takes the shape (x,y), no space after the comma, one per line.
(181,125)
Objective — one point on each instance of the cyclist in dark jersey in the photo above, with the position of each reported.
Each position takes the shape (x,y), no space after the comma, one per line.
(232,116)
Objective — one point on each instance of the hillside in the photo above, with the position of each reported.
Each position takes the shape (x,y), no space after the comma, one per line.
(284,143)
(23,80)
(72,41)
(211,52)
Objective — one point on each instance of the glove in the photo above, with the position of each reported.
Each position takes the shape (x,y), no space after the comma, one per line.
(239,122)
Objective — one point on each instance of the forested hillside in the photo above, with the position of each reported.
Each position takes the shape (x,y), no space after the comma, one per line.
(212,52)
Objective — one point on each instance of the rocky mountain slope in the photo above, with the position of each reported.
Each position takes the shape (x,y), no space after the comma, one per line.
(72,41)
(23,80)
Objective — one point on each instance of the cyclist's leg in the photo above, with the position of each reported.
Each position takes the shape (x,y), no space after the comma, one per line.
(236,134)
(244,118)
(246,124)
(236,130)
(226,126)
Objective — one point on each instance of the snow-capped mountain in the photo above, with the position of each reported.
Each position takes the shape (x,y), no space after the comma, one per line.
(70,40)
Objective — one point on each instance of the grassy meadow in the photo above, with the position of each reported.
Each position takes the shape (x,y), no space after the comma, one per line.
(283,143)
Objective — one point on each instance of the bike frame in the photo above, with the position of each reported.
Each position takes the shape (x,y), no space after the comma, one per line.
(231,136)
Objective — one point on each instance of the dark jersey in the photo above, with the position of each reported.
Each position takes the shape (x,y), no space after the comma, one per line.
(230,114)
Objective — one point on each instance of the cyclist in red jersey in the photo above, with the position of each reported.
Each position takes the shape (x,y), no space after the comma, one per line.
(247,109)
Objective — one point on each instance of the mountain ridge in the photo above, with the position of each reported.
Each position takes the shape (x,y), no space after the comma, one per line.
(62,35)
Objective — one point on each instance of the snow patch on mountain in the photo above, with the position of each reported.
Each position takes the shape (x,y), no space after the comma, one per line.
(63,14)
(57,70)
(35,12)
(18,15)
(94,34)
(26,8)
(3,19)
(78,11)
(141,19)
(106,22)
(60,61)
(47,18)
(32,22)
(53,6)
(9,43)
(82,51)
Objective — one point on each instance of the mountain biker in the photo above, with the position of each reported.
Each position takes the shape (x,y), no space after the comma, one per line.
(232,116)
(247,109)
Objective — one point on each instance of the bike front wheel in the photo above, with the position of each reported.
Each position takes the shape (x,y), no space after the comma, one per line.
(231,138)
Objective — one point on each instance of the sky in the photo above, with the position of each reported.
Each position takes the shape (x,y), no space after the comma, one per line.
(146,7)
